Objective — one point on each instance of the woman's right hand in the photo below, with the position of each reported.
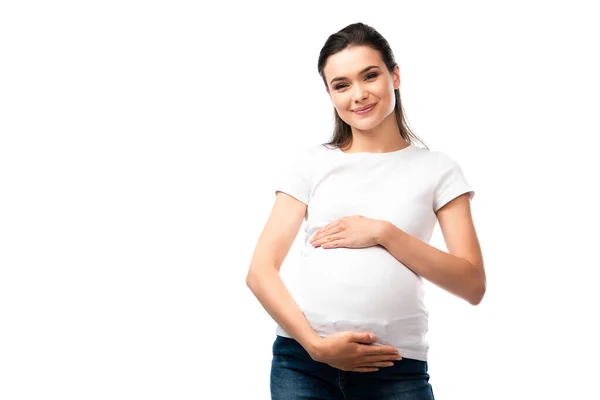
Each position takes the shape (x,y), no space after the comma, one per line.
(352,351)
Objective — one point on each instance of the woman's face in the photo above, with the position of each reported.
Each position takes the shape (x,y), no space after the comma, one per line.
(351,86)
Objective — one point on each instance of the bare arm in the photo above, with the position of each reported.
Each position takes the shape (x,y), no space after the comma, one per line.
(263,276)
(460,271)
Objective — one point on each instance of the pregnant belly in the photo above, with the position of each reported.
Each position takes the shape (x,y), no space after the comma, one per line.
(356,287)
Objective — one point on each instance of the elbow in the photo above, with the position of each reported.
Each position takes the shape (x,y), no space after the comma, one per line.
(479,290)
(250,278)
(261,268)
(476,299)
(255,275)
(478,294)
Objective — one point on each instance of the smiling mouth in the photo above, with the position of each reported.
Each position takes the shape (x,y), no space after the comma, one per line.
(364,111)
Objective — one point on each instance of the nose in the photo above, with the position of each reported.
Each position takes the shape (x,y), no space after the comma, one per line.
(359,93)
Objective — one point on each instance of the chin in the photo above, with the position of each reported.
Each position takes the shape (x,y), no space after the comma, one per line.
(365,125)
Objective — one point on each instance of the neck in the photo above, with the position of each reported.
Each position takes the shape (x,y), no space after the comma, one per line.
(382,138)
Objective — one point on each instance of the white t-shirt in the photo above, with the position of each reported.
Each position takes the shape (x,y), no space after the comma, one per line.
(368,289)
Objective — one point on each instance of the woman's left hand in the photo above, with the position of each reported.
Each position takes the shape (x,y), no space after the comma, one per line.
(353,231)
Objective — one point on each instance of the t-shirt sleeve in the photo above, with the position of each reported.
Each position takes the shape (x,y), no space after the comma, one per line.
(451,182)
(294,179)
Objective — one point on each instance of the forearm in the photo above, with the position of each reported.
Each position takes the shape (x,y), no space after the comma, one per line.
(274,296)
(452,273)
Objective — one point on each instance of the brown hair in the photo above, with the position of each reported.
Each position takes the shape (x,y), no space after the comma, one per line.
(360,34)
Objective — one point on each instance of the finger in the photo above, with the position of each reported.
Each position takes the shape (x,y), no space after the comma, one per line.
(378,350)
(327,229)
(327,239)
(363,337)
(377,364)
(378,357)
(333,243)
(363,369)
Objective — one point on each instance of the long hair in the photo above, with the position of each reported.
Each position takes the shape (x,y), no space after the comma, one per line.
(360,34)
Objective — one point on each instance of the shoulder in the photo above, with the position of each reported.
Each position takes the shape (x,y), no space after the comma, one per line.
(438,159)
(427,159)
(434,155)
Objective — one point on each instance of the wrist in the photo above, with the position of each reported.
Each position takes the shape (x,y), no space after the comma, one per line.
(313,346)
(381,231)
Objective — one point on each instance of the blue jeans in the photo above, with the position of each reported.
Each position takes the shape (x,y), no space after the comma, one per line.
(295,375)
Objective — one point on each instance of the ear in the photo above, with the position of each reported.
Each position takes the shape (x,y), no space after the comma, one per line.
(396,77)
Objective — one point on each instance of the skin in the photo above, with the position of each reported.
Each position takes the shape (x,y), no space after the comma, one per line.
(376,131)
(460,271)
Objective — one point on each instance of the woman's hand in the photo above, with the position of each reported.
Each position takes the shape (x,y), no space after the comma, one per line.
(354,231)
(351,351)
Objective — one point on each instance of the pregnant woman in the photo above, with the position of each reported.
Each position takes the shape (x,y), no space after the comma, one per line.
(352,322)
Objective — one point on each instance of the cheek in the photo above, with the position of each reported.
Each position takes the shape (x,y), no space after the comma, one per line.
(386,97)
(384,92)
(338,99)
(341,105)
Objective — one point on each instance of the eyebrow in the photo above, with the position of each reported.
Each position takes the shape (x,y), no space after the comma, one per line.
(341,78)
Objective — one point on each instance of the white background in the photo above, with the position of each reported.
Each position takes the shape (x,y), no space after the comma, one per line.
(141,141)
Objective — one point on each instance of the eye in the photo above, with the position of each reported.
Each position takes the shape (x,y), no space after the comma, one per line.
(341,86)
